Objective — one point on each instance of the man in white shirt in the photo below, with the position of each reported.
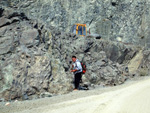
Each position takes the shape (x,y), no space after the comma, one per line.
(77,70)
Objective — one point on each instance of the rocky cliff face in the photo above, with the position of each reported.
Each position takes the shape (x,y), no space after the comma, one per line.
(35,57)
(27,65)
(126,20)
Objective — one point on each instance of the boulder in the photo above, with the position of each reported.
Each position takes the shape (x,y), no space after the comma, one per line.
(3,30)
(6,43)
(4,21)
(30,37)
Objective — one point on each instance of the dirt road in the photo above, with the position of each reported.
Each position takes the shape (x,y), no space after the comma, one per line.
(130,98)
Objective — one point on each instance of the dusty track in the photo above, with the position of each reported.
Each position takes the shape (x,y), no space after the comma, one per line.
(133,97)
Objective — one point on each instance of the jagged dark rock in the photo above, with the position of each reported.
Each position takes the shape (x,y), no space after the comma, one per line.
(1,12)
(35,55)
(112,19)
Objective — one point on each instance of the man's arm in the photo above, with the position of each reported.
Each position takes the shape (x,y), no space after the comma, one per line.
(74,70)
(78,67)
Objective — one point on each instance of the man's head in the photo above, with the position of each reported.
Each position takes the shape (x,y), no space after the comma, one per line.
(74,58)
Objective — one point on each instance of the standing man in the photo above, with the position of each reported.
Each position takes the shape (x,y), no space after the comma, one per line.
(77,70)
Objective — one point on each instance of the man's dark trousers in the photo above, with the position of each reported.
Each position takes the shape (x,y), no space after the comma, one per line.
(77,80)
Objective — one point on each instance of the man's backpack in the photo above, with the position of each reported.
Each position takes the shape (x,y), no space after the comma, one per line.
(83,67)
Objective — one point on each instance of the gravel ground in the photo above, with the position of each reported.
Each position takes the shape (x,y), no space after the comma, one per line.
(100,99)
